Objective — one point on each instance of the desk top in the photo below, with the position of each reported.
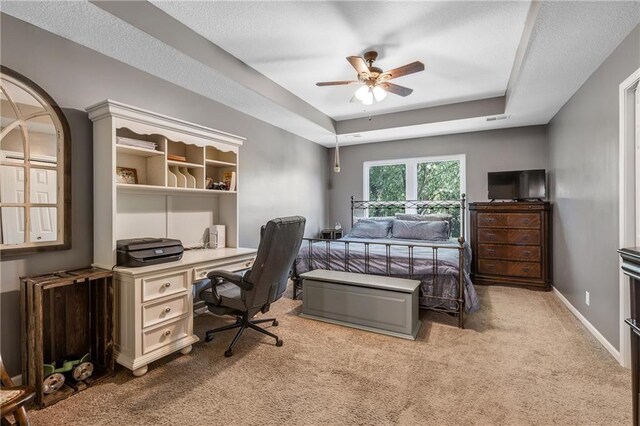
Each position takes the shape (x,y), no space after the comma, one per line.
(191,258)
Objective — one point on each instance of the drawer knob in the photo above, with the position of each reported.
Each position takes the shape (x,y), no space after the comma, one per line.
(167,285)
(525,237)
(526,221)
(491,251)
(526,253)
(167,309)
(491,266)
(525,269)
(248,263)
(168,332)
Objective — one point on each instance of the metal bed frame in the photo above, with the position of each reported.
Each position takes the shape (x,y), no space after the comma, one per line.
(452,306)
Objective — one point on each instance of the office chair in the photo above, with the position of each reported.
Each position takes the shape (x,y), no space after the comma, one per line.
(243,296)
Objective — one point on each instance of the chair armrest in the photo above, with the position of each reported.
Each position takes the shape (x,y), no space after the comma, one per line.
(220,275)
(204,288)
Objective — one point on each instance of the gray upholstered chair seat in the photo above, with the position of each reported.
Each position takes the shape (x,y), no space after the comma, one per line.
(229,296)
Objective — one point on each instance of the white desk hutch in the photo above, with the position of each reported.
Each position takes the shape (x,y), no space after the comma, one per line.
(154,304)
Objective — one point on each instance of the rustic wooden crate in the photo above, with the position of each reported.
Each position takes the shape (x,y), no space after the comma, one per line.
(63,313)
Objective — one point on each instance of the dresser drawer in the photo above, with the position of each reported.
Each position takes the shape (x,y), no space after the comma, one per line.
(165,285)
(509,220)
(515,269)
(161,336)
(165,310)
(509,236)
(509,252)
(203,271)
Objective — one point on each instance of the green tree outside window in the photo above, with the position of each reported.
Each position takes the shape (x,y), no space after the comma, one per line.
(436,181)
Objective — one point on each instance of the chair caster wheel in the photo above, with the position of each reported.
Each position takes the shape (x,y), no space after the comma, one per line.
(275,323)
(208,338)
(279,342)
(228,353)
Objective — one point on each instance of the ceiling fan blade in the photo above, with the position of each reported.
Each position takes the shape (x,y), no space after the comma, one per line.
(359,64)
(336,83)
(411,68)
(395,89)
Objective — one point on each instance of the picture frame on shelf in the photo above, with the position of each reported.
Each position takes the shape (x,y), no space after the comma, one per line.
(126,175)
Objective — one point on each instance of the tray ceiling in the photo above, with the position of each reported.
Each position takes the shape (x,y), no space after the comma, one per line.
(516,60)
(468,47)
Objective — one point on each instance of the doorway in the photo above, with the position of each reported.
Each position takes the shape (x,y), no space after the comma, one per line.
(629,209)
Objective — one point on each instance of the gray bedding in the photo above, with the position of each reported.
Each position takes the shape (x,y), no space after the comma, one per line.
(432,290)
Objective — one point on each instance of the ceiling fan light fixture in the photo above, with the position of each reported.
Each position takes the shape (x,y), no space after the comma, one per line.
(375,80)
(368,100)
(362,93)
(379,93)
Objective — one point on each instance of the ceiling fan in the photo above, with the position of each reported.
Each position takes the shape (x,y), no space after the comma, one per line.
(376,82)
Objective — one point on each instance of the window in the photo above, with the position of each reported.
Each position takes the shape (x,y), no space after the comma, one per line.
(428,178)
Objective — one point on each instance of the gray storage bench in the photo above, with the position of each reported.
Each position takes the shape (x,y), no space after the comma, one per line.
(369,302)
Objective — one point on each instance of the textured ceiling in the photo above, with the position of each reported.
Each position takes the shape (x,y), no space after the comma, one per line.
(472,50)
(568,43)
(468,47)
(93,27)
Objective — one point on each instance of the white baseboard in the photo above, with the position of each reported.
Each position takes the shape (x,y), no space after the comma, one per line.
(607,345)
(17,380)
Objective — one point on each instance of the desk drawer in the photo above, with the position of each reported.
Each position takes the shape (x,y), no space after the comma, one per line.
(201,272)
(515,269)
(158,312)
(161,336)
(165,285)
(509,220)
(506,252)
(509,236)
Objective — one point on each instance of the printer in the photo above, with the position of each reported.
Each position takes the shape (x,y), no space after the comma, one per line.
(147,251)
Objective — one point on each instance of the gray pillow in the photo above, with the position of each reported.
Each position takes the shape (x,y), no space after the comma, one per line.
(386,218)
(368,228)
(433,217)
(420,230)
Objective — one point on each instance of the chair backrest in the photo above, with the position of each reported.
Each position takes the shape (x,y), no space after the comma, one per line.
(279,245)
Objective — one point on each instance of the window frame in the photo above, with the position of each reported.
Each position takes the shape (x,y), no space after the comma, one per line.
(62,168)
(411,177)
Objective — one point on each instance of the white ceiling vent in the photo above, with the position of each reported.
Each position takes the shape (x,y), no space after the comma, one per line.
(498,117)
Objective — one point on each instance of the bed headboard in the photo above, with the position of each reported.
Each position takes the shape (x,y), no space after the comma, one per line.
(456,208)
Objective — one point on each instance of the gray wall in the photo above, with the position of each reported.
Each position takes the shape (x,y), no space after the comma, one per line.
(583,169)
(277,169)
(494,150)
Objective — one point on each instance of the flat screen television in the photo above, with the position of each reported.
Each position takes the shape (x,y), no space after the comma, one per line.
(517,185)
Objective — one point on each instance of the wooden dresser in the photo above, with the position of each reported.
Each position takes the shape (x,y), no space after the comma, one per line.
(511,243)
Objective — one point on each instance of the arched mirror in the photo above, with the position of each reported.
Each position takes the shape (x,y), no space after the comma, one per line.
(35,172)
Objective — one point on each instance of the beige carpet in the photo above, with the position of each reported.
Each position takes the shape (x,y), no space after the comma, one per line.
(523,359)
